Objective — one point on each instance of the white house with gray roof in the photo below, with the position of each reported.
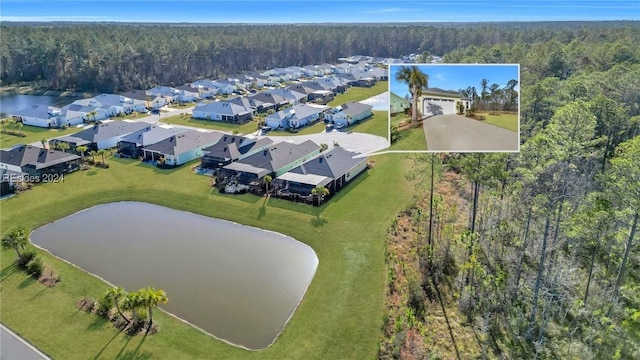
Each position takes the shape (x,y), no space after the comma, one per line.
(38,115)
(349,113)
(181,148)
(100,136)
(296,116)
(132,144)
(223,111)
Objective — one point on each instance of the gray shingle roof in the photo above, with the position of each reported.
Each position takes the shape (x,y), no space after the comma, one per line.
(108,130)
(354,108)
(151,135)
(231,147)
(279,155)
(186,141)
(333,163)
(39,158)
(222,107)
(36,111)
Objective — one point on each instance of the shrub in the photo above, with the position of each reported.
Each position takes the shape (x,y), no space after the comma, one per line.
(27,256)
(86,303)
(63,127)
(35,267)
(50,277)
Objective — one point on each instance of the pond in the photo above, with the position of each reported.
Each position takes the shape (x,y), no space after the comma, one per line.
(240,284)
(12,102)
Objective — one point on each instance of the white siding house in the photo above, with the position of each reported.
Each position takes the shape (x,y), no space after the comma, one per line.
(38,115)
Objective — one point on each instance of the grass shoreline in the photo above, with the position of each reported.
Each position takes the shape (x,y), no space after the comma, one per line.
(340,315)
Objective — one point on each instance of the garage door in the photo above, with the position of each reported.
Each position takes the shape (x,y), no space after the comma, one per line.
(435,106)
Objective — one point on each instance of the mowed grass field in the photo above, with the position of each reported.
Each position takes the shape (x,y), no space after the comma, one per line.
(410,139)
(507,121)
(33,134)
(339,318)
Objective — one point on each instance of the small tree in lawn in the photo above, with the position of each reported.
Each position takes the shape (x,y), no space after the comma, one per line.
(320,192)
(102,153)
(45,143)
(267,180)
(4,122)
(323,147)
(17,239)
(19,126)
(82,149)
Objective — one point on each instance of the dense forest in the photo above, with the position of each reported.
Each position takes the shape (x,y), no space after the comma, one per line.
(108,57)
(531,254)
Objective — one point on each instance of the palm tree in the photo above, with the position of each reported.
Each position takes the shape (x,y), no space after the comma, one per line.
(45,143)
(150,298)
(93,115)
(320,192)
(4,122)
(63,146)
(132,302)
(82,149)
(115,295)
(267,180)
(19,126)
(102,153)
(484,83)
(16,239)
(416,80)
(93,154)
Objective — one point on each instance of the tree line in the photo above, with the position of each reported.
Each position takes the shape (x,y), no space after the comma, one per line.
(119,57)
(546,263)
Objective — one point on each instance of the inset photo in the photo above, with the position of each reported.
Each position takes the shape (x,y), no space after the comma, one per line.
(454,107)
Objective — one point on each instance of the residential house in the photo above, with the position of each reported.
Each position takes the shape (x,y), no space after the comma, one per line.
(292,96)
(37,162)
(223,111)
(181,148)
(436,101)
(296,116)
(333,169)
(264,101)
(188,93)
(349,113)
(231,148)
(378,73)
(274,161)
(148,100)
(170,94)
(119,104)
(100,136)
(224,87)
(205,88)
(38,115)
(132,144)
(363,78)
(74,114)
(313,71)
(335,84)
(310,93)
(397,104)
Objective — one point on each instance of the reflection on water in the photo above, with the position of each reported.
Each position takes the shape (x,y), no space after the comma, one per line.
(12,102)
(238,283)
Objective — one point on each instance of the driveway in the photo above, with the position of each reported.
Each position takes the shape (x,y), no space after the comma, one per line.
(14,347)
(458,133)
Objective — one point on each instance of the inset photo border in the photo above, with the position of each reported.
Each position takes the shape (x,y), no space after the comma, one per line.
(459,107)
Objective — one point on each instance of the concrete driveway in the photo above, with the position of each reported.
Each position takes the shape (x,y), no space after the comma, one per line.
(458,133)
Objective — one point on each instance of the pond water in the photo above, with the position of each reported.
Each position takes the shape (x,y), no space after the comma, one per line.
(12,102)
(238,283)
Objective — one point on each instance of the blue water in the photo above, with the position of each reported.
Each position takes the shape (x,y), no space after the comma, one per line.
(12,102)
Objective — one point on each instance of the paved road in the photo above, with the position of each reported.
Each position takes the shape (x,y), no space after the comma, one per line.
(458,133)
(13,347)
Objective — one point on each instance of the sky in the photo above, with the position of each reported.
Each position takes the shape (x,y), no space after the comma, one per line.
(311,11)
(456,77)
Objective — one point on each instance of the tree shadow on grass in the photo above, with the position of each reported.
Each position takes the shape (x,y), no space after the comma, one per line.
(106,345)
(263,209)
(98,323)
(8,271)
(26,282)
(135,354)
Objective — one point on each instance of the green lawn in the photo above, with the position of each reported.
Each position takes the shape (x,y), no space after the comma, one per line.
(503,120)
(33,134)
(410,139)
(360,93)
(339,318)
